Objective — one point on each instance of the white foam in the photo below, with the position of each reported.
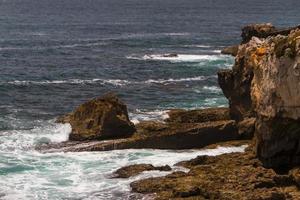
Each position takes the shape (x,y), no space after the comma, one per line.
(214,89)
(171,80)
(178,57)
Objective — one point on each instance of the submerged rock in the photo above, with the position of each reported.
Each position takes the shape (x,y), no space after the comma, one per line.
(133,170)
(101,118)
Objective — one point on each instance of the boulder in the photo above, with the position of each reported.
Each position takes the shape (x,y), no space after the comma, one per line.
(133,170)
(100,118)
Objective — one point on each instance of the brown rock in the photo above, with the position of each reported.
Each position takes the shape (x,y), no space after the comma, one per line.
(198,116)
(231,50)
(101,118)
(275,95)
(133,170)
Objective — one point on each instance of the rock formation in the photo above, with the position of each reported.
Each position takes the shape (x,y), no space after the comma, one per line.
(264,83)
(101,118)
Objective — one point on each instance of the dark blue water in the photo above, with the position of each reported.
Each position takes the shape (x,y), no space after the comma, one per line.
(56,54)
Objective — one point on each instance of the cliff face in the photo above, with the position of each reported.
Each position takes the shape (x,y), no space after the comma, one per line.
(275,93)
(265,83)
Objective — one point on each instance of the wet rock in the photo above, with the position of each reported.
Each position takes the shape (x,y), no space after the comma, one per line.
(198,116)
(101,118)
(133,170)
(231,50)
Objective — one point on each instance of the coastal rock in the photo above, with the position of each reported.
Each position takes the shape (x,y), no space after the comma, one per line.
(228,176)
(275,95)
(100,118)
(133,170)
(231,50)
(198,115)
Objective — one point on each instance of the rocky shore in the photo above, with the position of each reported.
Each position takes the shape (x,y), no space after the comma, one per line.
(263,89)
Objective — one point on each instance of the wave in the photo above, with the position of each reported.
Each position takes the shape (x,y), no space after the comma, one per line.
(178,57)
(47,131)
(114,82)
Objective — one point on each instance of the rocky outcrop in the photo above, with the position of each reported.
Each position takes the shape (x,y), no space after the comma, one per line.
(133,170)
(228,176)
(264,84)
(101,118)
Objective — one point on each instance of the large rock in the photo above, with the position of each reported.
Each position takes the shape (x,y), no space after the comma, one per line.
(275,93)
(101,118)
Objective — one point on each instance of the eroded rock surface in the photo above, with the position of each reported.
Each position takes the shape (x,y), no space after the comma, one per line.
(100,118)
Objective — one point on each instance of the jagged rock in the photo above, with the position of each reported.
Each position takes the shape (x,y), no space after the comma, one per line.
(198,116)
(231,50)
(133,170)
(228,176)
(101,118)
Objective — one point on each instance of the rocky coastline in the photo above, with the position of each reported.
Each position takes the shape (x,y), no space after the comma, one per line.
(263,89)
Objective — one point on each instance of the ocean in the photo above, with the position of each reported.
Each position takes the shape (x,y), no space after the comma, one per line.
(57,54)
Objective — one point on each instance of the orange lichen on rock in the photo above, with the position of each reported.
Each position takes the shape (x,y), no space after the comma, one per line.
(261,51)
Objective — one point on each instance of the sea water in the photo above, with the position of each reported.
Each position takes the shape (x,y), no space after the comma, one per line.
(56,54)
